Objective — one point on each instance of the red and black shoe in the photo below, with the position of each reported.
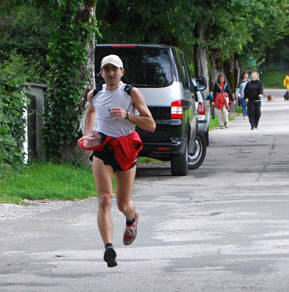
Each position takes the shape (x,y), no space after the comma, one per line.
(130,232)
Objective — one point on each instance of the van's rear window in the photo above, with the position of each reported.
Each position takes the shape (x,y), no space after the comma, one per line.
(144,66)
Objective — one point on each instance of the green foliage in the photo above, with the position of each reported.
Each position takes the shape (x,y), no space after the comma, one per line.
(231,28)
(46,181)
(273,78)
(140,21)
(24,30)
(13,99)
(71,32)
(268,21)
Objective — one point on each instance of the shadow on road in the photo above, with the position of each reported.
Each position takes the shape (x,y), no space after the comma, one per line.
(153,171)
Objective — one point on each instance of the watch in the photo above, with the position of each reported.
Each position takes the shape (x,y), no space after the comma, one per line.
(127,115)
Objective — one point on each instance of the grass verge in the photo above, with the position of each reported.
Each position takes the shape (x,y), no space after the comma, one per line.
(144,159)
(214,123)
(273,78)
(46,181)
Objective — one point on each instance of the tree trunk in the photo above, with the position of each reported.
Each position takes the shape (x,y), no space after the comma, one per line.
(237,72)
(86,13)
(200,56)
(89,69)
(215,68)
(229,67)
(90,52)
(230,74)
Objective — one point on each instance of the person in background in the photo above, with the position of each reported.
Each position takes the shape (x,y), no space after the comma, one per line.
(253,95)
(240,92)
(222,98)
(210,98)
(286,85)
(286,81)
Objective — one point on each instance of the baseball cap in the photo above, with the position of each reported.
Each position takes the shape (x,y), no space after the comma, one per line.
(111,59)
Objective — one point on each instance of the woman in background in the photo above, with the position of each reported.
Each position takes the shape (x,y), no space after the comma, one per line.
(222,98)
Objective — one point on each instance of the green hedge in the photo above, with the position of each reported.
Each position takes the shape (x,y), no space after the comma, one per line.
(13,98)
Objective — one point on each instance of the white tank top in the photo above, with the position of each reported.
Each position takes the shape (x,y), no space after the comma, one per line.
(103,101)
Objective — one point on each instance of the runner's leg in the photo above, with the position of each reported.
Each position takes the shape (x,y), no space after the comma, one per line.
(103,175)
(125,180)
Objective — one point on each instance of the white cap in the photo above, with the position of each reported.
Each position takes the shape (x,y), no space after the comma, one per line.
(113,60)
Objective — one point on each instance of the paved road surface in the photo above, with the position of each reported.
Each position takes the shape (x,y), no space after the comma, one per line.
(224,227)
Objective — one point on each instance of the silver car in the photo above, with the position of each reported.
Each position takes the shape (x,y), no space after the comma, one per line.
(202,107)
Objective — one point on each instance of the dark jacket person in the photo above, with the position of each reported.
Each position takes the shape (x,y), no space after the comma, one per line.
(253,95)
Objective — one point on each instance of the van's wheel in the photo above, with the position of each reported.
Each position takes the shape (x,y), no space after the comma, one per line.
(179,163)
(196,159)
(207,138)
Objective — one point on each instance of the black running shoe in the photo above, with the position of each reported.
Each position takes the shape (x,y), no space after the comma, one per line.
(110,257)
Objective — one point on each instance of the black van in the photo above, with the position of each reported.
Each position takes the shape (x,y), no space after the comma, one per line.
(160,72)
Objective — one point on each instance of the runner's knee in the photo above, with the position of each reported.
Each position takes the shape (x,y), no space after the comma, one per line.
(123,206)
(104,200)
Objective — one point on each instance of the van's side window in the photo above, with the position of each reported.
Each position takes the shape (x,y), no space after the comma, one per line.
(184,76)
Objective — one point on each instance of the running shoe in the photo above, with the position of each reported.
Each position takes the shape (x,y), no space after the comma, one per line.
(110,257)
(130,232)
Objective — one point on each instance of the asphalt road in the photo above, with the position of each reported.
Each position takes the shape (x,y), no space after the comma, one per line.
(224,227)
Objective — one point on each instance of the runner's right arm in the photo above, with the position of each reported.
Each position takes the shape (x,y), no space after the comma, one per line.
(89,117)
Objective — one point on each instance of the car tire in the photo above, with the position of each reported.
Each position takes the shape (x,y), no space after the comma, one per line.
(179,163)
(196,159)
(207,138)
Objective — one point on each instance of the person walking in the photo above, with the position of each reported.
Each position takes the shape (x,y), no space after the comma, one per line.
(240,92)
(253,95)
(112,111)
(286,81)
(222,98)
(286,85)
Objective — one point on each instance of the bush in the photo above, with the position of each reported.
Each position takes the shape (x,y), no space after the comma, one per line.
(13,100)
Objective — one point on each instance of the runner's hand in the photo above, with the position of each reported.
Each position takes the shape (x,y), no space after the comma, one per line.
(82,138)
(117,113)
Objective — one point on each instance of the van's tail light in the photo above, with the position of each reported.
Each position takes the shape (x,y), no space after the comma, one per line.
(201,108)
(177,109)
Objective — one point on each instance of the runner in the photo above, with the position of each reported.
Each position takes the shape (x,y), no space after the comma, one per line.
(113,111)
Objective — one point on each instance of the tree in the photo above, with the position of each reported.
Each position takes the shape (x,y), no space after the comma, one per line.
(71,73)
(24,31)
(269,25)
(226,31)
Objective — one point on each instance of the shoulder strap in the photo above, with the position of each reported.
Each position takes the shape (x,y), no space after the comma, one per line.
(128,88)
(98,87)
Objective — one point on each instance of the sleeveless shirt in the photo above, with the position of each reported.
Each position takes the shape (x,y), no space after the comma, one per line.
(106,99)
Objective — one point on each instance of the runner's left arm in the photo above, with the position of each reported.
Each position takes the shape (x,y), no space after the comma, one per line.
(144,120)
